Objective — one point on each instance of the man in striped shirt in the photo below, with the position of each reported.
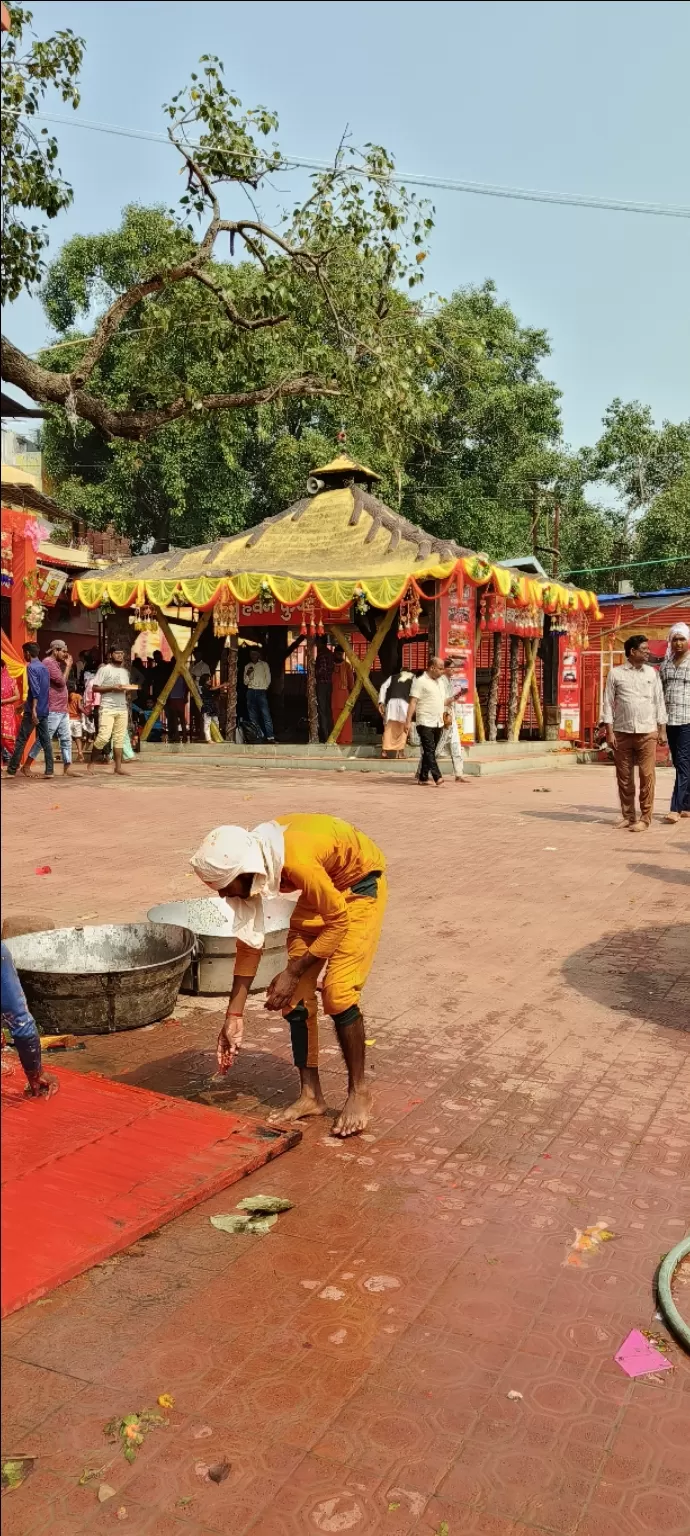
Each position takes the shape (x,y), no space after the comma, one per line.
(675,681)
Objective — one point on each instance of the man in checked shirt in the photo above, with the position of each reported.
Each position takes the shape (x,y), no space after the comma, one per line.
(634,714)
(675,681)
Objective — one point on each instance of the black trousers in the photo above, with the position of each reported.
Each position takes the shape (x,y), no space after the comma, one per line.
(679,743)
(429,737)
(25,730)
(323,699)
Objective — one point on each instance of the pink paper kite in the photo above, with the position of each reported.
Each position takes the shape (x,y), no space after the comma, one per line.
(637,1357)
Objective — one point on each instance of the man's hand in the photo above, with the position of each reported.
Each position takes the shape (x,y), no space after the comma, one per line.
(281,991)
(661,735)
(610,737)
(230,1040)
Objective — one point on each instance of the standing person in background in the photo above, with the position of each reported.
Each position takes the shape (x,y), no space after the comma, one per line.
(176,710)
(58,665)
(342,684)
(394,697)
(113,684)
(257,681)
(11,697)
(450,740)
(675,681)
(22,1027)
(74,710)
(634,714)
(35,717)
(323,672)
(428,706)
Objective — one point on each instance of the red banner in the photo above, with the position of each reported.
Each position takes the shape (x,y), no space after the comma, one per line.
(265,612)
(569,669)
(456,637)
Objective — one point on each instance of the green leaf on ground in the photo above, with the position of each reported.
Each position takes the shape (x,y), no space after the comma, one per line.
(230,1223)
(266,1204)
(16,1470)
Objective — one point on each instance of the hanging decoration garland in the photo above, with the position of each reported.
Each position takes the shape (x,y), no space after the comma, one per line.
(408,620)
(492,613)
(312,617)
(225,613)
(34,614)
(7,561)
(143,617)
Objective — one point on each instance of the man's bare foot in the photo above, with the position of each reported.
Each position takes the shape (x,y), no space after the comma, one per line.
(355,1115)
(304,1107)
(672,818)
(619,825)
(122,773)
(42,1086)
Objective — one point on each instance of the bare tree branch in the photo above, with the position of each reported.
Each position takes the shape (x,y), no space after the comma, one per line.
(233,314)
(57,389)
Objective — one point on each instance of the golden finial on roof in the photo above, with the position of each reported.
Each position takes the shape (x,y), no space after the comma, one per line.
(346,466)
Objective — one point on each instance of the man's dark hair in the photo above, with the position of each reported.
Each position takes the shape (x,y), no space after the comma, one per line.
(31,649)
(633,643)
(117,646)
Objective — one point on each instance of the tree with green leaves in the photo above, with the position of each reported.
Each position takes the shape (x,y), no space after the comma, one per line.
(31,178)
(207,473)
(649,468)
(339,258)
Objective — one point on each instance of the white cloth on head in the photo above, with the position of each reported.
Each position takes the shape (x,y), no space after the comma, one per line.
(231,851)
(676,629)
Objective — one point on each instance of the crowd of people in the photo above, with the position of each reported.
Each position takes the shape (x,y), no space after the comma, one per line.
(65,703)
(644,708)
(104,704)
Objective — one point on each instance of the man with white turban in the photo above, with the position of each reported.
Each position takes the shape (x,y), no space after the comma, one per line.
(675,681)
(336,923)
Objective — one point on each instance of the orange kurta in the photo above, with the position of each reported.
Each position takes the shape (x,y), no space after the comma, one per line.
(324,858)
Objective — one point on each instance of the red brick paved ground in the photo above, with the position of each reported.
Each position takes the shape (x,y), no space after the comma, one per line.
(530,1009)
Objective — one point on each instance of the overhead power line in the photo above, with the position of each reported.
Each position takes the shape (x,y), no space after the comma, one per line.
(412,178)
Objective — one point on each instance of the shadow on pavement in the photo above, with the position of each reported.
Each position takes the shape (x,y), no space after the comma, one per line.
(602,815)
(258,1077)
(661,872)
(641,971)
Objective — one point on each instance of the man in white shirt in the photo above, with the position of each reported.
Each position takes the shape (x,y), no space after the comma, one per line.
(634,714)
(427,707)
(113,684)
(257,681)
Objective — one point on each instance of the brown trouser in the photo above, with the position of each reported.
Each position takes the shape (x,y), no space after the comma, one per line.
(634,748)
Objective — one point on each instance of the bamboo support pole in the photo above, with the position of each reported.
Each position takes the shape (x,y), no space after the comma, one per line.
(181,668)
(531,653)
(362,668)
(231,711)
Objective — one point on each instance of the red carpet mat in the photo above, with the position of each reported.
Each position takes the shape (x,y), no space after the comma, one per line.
(87,1172)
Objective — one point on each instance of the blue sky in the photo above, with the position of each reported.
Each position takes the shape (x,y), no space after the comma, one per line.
(580,97)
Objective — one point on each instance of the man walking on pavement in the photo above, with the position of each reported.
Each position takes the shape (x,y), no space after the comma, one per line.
(634,714)
(675,681)
(35,717)
(428,706)
(58,665)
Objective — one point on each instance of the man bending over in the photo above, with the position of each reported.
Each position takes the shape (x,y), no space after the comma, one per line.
(336,923)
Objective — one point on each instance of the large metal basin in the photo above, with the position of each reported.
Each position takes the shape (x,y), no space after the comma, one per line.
(89,981)
(212,967)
